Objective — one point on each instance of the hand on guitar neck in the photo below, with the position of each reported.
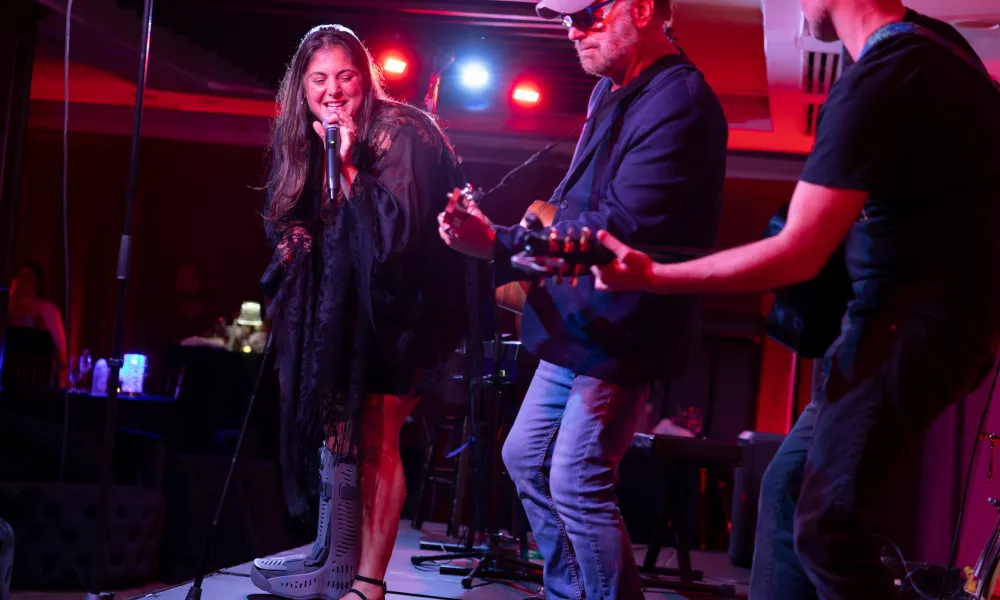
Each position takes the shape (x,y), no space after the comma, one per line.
(629,270)
(463,227)
(462,220)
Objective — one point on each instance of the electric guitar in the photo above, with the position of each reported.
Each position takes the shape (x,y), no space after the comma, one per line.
(806,317)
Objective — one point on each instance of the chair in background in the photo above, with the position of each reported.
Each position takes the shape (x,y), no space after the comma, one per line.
(680,460)
(27,360)
(435,470)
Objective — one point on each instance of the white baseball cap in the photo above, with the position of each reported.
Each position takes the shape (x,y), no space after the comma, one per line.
(550,9)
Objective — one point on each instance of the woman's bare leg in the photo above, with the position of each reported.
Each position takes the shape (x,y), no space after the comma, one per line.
(383,486)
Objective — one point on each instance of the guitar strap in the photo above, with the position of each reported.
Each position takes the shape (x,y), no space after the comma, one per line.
(906,27)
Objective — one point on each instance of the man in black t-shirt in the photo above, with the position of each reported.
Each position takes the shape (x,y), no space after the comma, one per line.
(905,174)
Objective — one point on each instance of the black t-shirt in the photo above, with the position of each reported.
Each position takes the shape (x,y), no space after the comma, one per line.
(919,129)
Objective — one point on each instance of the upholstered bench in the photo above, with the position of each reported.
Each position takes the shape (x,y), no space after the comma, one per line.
(56,528)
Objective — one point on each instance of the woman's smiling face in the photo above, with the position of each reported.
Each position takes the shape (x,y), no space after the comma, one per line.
(332,83)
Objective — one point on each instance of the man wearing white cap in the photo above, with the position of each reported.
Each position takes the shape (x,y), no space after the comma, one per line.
(649,166)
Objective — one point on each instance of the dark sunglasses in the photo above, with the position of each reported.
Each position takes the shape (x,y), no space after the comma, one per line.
(583,19)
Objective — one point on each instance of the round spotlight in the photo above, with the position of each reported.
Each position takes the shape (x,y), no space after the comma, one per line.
(475,76)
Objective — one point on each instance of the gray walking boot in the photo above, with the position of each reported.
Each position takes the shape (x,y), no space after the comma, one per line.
(330,567)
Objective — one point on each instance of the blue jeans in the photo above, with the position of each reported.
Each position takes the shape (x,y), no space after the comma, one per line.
(823,495)
(563,453)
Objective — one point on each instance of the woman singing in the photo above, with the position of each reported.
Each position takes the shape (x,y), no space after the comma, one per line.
(359,288)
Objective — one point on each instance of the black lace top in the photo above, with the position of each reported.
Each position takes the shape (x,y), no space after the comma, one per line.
(364,299)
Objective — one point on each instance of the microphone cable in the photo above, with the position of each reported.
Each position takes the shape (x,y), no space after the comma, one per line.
(534,158)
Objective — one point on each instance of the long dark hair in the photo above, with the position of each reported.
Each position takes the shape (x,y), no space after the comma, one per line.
(292,136)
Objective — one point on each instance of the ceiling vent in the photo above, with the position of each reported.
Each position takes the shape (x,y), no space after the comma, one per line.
(812,116)
(819,72)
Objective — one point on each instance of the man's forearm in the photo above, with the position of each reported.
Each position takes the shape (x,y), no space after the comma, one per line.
(759,266)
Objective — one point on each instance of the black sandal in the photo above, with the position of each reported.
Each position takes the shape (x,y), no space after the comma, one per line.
(381,584)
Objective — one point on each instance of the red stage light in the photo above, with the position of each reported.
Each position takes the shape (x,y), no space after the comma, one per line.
(526,95)
(394,65)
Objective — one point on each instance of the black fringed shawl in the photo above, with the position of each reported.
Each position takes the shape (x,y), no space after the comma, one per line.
(359,306)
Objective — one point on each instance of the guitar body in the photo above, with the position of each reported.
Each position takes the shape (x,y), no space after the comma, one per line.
(806,316)
(513,296)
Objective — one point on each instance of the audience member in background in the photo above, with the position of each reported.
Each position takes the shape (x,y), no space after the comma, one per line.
(28,309)
(190,316)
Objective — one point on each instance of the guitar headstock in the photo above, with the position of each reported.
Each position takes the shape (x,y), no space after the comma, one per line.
(546,252)
(460,202)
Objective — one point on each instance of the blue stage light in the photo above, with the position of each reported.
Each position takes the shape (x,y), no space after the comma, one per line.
(475,76)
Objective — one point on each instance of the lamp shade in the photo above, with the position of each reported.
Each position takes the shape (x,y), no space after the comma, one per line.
(250,315)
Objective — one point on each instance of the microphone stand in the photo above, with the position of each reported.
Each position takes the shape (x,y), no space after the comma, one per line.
(116,361)
(333,184)
(493,562)
(194,592)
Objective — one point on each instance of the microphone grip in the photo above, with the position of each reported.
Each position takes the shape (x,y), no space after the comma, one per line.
(332,160)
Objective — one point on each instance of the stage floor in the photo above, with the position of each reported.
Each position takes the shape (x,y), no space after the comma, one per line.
(407,580)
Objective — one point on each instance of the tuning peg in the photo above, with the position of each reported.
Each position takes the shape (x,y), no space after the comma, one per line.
(568,242)
(585,236)
(470,195)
